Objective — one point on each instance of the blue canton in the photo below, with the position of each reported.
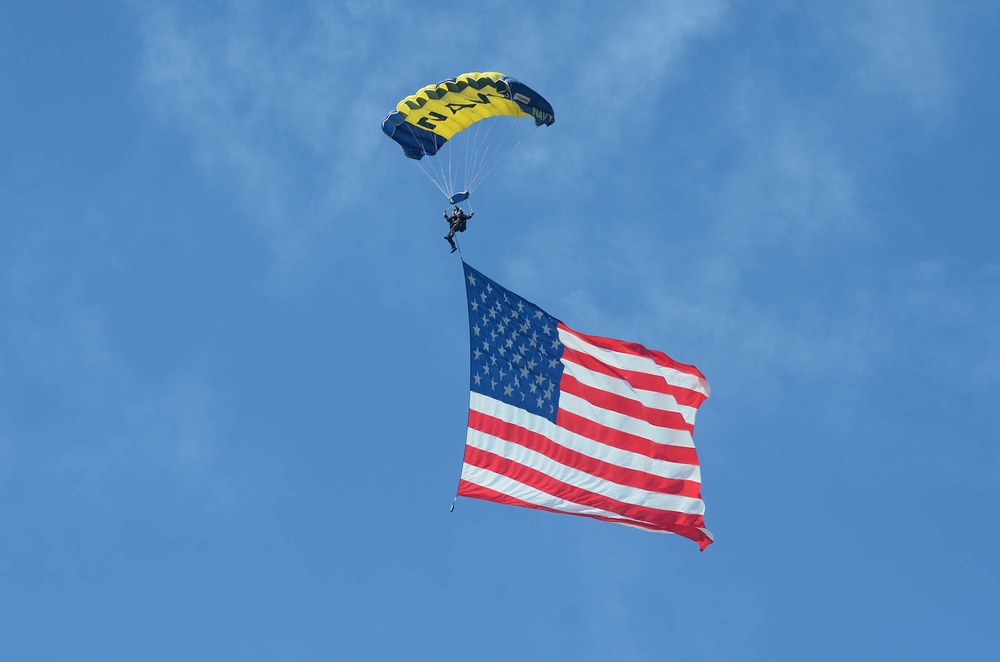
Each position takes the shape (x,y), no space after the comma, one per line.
(515,347)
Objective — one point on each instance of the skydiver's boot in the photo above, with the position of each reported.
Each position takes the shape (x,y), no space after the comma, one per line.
(452,242)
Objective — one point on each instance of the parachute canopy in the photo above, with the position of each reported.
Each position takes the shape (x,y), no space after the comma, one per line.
(468,124)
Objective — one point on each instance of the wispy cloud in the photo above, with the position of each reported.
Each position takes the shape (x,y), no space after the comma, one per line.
(76,407)
(790,185)
(902,53)
(273,107)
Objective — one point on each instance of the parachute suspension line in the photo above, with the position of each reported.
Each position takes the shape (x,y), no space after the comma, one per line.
(485,150)
(438,181)
(433,180)
(450,178)
(500,152)
(471,149)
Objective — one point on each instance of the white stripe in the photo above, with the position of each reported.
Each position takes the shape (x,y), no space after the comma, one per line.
(621,388)
(636,363)
(621,458)
(617,421)
(504,485)
(584,481)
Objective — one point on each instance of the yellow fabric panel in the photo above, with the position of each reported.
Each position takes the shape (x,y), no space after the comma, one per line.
(449,107)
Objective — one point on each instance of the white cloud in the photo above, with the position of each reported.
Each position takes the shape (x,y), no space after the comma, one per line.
(275,106)
(790,187)
(902,53)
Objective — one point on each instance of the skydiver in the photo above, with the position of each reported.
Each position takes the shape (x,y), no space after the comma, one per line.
(456,223)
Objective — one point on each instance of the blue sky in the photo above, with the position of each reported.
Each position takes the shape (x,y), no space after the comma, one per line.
(234,347)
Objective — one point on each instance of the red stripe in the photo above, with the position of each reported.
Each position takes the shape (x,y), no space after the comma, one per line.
(627,442)
(640,380)
(580,462)
(627,406)
(634,349)
(545,483)
(471,490)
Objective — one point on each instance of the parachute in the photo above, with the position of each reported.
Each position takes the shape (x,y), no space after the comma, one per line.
(465,126)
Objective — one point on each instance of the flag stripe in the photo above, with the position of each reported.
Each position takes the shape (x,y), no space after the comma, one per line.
(632,356)
(498,429)
(553,473)
(629,391)
(641,380)
(635,427)
(552,486)
(597,441)
(617,438)
(612,401)
(466,488)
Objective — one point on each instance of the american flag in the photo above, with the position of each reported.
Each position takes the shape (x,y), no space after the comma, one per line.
(572,423)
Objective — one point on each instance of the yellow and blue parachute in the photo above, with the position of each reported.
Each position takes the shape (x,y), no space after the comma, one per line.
(466,125)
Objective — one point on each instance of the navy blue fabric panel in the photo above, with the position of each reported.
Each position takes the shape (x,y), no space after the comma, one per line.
(415,141)
(529,101)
